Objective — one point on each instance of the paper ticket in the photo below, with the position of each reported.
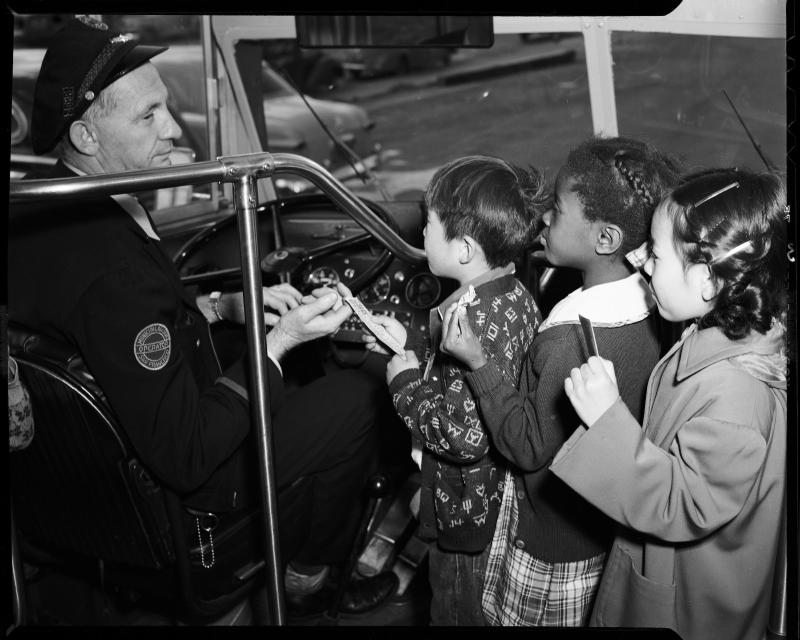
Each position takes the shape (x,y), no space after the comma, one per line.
(464,301)
(467,298)
(373,327)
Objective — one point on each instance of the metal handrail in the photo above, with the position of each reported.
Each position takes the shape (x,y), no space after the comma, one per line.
(223,169)
(242,171)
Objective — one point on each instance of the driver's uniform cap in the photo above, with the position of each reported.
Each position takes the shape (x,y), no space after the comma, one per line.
(84,57)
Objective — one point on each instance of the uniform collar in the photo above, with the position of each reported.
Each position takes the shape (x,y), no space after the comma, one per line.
(129,203)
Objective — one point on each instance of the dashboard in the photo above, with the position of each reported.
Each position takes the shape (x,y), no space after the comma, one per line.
(305,225)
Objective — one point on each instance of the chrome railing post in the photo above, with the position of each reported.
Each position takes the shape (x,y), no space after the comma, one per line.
(246,202)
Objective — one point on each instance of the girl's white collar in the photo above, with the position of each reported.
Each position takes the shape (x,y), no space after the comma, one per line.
(607,305)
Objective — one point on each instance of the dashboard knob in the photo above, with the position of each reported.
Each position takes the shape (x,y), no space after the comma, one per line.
(285,259)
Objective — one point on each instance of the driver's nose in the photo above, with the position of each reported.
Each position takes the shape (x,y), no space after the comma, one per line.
(171,130)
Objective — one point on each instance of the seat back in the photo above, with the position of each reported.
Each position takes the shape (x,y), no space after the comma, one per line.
(77,488)
(80,495)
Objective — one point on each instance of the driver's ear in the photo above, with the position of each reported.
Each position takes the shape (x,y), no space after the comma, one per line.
(83,138)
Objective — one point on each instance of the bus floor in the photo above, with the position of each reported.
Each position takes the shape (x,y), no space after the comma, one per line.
(55,599)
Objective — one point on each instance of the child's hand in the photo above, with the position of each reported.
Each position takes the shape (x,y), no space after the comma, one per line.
(592,389)
(397,364)
(458,339)
(395,329)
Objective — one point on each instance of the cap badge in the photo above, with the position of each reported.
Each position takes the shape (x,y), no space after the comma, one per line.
(67,101)
(122,37)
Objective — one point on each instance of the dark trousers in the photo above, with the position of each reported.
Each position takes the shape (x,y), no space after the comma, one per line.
(324,432)
(327,431)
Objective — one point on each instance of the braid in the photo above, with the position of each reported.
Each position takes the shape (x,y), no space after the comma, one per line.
(621,180)
(634,180)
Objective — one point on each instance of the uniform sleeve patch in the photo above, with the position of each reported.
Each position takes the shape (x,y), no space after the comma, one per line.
(152,346)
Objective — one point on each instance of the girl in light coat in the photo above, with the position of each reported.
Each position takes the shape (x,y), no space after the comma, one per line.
(699,487)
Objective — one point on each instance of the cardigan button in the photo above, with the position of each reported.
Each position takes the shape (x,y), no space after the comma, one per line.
(519,544)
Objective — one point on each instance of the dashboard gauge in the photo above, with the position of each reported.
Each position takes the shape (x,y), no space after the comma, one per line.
(423,290)
(378,291)
(322,277)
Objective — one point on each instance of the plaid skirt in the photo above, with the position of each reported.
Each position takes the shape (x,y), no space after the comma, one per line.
(520,590)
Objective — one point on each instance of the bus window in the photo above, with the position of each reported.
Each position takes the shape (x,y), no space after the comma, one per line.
(527,102)
(674,90)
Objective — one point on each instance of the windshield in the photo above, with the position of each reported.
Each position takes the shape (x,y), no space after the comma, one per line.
(527,98)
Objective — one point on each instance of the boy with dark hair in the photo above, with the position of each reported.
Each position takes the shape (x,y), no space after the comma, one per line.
(481,213)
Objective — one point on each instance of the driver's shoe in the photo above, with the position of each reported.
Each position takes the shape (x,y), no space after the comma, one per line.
(360,597)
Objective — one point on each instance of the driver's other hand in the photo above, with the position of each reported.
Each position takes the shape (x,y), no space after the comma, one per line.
(322,291)
(307,322)
(397,364)
(393,327)
(279,299)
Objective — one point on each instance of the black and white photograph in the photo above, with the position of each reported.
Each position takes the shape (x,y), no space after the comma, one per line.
(373,320)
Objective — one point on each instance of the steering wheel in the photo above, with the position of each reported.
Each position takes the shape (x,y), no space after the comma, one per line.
(291,260)
(288,259)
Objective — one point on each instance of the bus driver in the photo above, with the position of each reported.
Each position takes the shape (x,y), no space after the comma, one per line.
(101,281)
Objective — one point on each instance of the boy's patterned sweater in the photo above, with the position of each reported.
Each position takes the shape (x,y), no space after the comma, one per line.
(461,483)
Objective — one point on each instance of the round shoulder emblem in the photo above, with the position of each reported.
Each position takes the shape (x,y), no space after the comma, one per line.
(152,346)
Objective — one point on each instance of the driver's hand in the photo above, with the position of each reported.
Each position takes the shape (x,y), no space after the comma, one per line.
(395,329)
(341,290)
(279,299)
(306,322)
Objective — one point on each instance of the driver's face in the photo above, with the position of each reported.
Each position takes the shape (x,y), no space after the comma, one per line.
(138,131)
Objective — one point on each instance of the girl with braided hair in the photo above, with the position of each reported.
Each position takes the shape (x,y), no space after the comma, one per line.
(699,483)
(549,545)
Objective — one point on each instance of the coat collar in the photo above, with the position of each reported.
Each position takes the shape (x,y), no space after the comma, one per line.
(762,355)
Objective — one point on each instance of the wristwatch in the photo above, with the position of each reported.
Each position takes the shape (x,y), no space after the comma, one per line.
(213,299)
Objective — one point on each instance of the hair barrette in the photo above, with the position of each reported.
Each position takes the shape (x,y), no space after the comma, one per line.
(731,252)
(637,257)
(732,185)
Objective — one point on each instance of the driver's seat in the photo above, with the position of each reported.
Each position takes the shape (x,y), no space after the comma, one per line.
(85,506)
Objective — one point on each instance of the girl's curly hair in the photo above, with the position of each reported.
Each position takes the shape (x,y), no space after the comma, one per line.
(740,232)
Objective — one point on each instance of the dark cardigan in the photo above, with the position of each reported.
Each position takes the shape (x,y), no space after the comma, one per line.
(461,482)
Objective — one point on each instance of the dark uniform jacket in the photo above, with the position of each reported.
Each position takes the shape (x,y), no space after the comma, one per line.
(86,273)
